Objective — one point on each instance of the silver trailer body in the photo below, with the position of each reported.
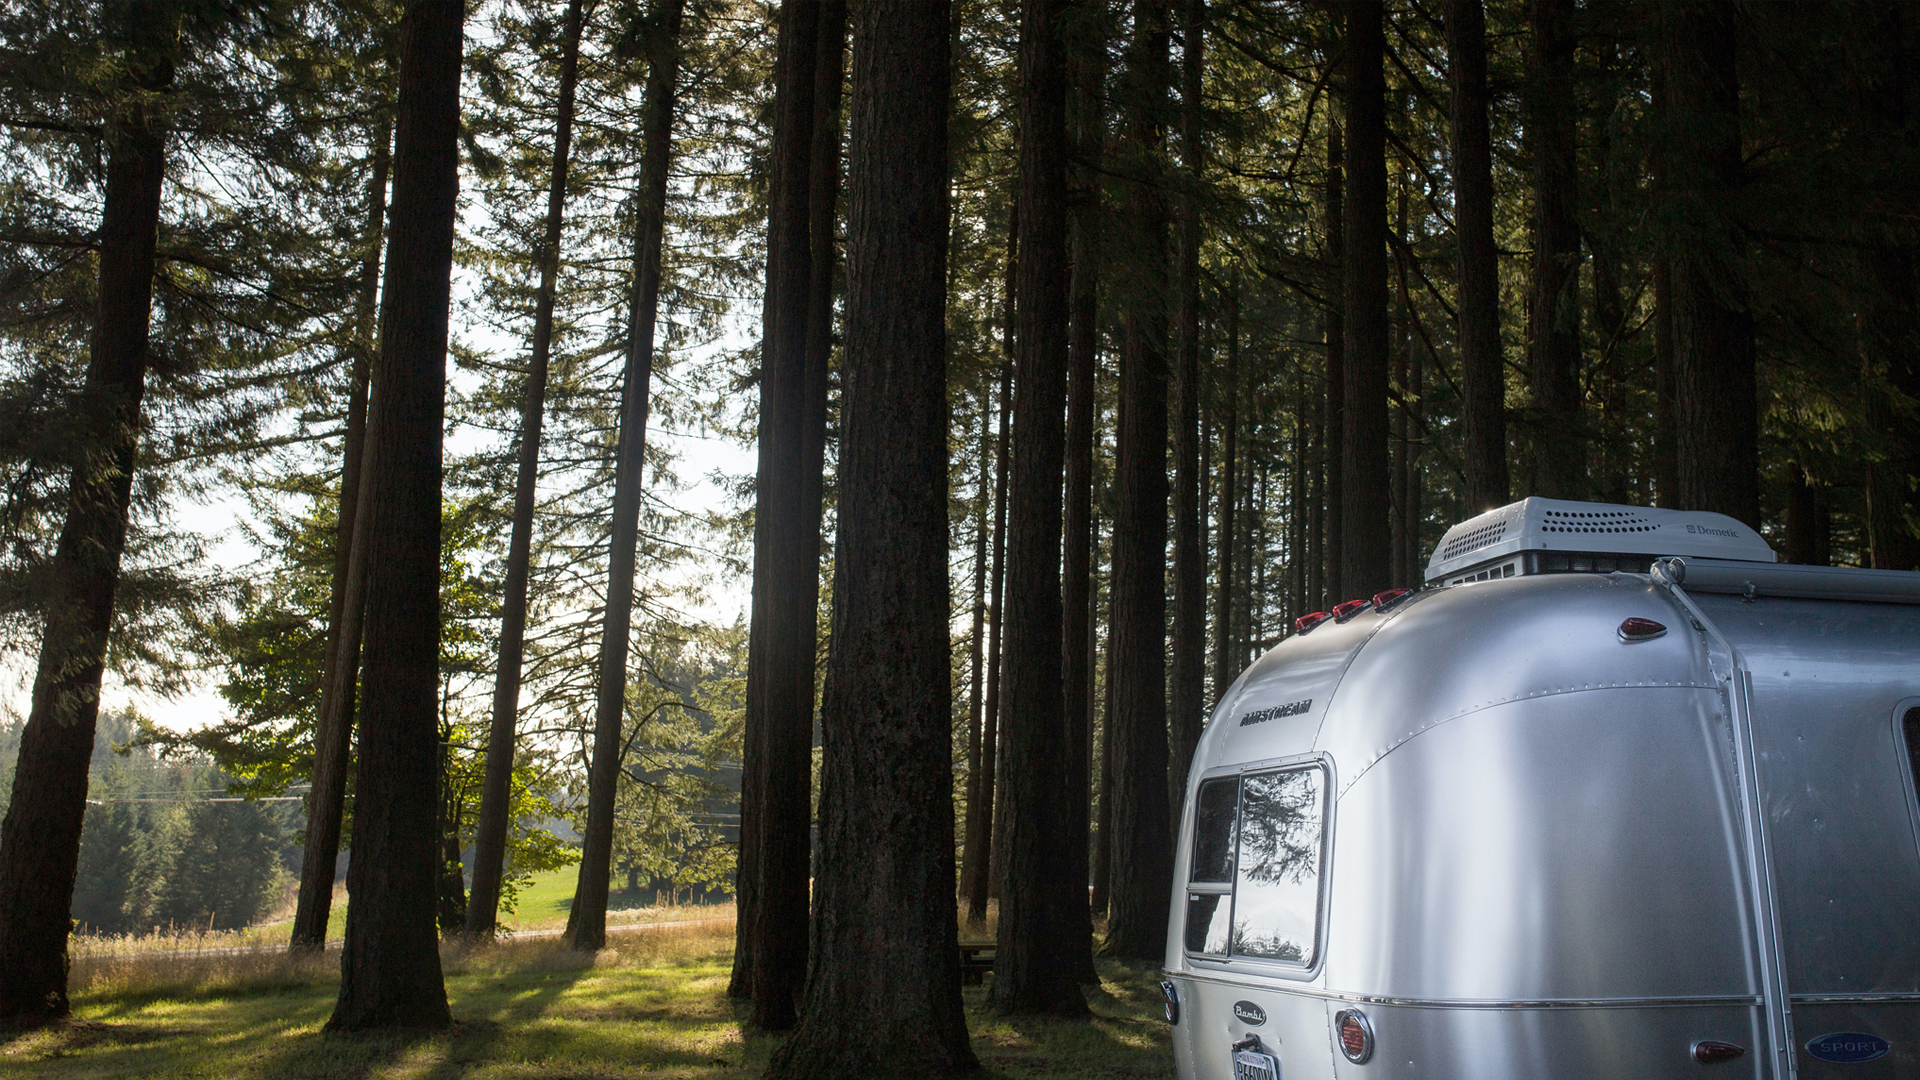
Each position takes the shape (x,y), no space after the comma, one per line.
(1515,841)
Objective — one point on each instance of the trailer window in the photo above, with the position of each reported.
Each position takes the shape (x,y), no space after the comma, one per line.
(1910,727)
(1277,883)
(1210,882)
(1213,830)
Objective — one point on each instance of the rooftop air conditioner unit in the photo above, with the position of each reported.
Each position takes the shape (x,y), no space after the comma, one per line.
(1546,536)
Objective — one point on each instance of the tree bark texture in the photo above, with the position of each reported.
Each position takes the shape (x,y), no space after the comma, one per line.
(587,922)
(786,789)
(1086,71)
(883,990)
(1716,412)
(333,720)
(1187,678)
(390,966)
(1223,670)
(1482,371)
(780,654)
(1137,667)
(1333,418)
(1560,464)
(40,837)
(1365,499)
(490,835)
(1035,965)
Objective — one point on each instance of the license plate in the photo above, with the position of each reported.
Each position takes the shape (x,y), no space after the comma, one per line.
(1254,1065)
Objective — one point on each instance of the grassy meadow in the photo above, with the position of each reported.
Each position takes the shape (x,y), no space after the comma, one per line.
(652,1005)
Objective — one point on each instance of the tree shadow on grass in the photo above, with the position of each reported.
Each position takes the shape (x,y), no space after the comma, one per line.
(1126,1035)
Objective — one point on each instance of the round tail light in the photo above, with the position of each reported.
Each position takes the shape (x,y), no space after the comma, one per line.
(1641,630)
(1172,994)
(1356,1035)
(1307,622)
(1343,612)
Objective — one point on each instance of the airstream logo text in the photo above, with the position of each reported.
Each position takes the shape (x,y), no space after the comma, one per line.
(1249,1013)
(1702,530)
(1261,716)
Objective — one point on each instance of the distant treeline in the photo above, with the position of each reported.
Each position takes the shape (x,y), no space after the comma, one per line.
(159,852)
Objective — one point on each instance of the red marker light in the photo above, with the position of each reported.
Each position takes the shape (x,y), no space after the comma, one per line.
(1307,622)
(1343,612)
(1637,629)
(1383,601)
(1710,1052)
(1356,1035)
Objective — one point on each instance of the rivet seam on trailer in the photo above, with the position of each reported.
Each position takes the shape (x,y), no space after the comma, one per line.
(1530,695)
(1678,1002)
(1669,573)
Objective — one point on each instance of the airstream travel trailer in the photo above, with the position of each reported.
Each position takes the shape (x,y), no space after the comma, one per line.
(1616,796)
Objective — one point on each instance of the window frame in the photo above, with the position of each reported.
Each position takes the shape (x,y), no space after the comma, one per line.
(1261,965)
(1909,757)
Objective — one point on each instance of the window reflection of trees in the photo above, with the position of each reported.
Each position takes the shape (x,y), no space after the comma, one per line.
(1280,827)
(1213,831)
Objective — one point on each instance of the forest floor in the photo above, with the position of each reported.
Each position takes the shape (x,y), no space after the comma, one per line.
(654,1006)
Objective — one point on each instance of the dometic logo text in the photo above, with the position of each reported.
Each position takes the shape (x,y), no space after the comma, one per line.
(1261,716)
(1704,531)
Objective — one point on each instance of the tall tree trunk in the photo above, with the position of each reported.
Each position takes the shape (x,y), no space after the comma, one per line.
(1299,517)
(1100,898)
(1041,905)
(1890,338)
(1805,520)
(885,974)
(1402,336)
(40,837)
(1223,671)
(587,922)
(1333,417)
(1086,71)
(978,888)
(1560,452)
(1416,446)
(1187,681)
(490,838)
(997,851)
(1316,569)
(390,967)
(1364,530)
(333,720)
(1666,453)
(1142,856)
(1716,411)
(780,943)
(780,652)
(1482,369)
(978,816)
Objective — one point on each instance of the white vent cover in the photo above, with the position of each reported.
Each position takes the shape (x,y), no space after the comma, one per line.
(1601,528)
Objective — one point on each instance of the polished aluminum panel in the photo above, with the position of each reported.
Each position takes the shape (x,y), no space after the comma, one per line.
(1297,1029)
(1827,679)
(1576,847)
(1896,1022)
(1474,646)
(1551,1044)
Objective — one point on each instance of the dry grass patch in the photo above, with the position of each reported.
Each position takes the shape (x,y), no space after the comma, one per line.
(650,1007)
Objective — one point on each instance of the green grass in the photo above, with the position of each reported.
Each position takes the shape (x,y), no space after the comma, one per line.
(654,1006)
